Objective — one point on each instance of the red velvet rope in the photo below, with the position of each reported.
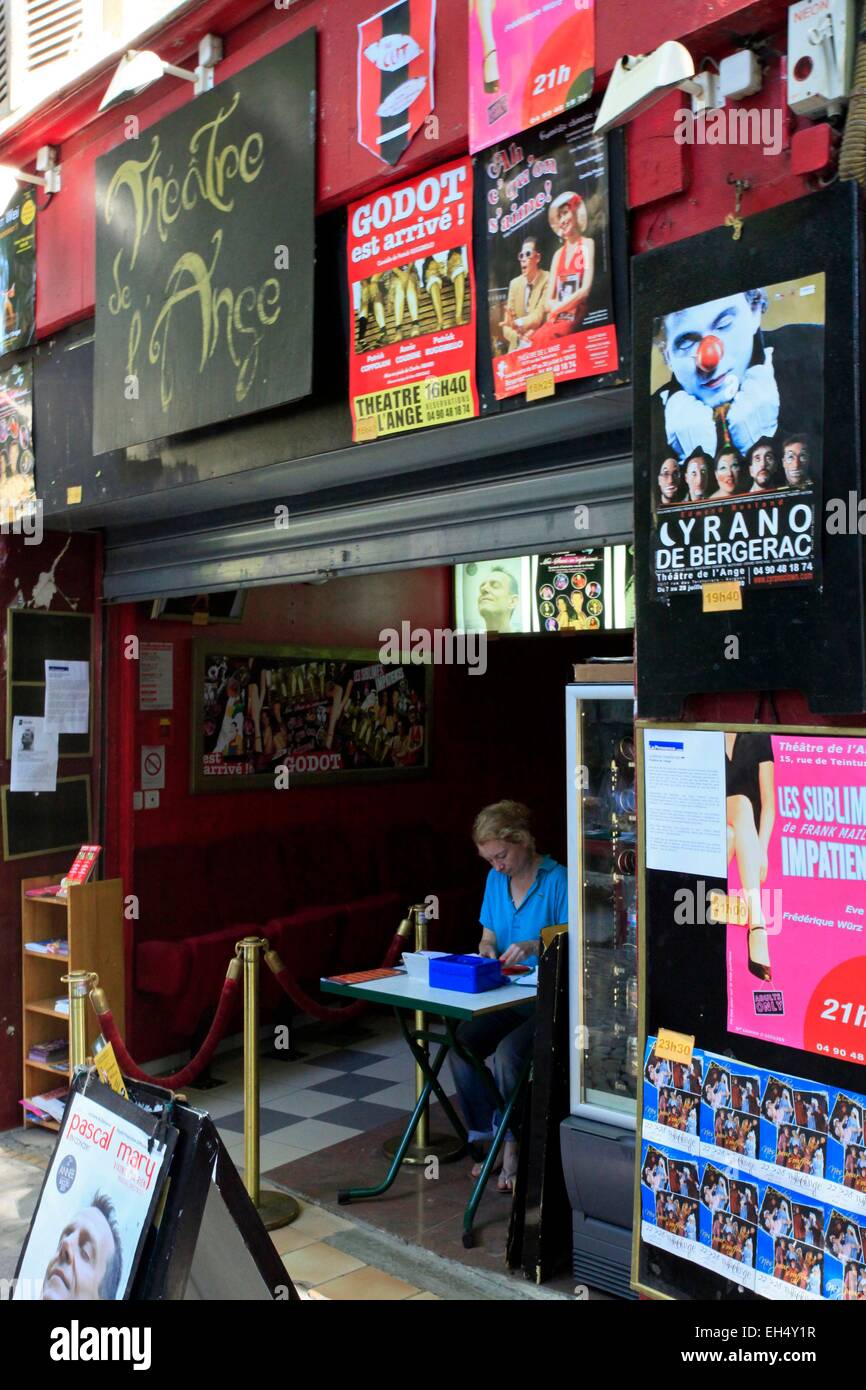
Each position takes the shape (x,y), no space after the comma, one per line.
(329,1013)
(181,1078)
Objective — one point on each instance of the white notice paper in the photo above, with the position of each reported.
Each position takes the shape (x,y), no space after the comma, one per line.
(684,781)
(67,695)
(34,755)
(155,676)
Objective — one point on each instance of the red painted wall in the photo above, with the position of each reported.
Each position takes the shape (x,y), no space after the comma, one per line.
(65,241)
(500,734)
(76,576)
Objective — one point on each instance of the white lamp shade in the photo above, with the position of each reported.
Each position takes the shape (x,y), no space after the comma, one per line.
(135,71)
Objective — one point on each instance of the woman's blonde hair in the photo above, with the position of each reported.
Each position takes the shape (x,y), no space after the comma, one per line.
(504,820)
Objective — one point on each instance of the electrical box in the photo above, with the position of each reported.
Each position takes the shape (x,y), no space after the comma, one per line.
(821,39)
(739,75)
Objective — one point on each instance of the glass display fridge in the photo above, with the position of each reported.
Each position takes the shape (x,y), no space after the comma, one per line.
(598,1138)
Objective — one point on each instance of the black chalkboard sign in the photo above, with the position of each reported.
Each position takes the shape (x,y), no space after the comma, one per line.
(204,257)
(32,635)
(42,822)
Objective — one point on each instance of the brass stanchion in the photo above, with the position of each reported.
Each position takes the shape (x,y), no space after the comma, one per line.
(79,990)
(275,1208)
(445,1147)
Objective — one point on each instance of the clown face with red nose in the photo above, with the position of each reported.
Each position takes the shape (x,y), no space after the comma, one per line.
(709,347)
(724,390)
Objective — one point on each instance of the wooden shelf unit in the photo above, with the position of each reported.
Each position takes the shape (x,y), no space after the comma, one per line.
(91,921)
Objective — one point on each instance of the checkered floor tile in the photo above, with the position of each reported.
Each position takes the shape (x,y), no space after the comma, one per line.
(347,1082)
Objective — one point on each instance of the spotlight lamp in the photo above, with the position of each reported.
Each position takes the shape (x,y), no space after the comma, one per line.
(141,67)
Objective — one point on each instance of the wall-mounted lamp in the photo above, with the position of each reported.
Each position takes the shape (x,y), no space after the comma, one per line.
(48,177)
(637,83)
(140,68)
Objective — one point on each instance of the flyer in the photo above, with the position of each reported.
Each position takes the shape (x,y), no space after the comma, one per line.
(672,1101)
(546,212)
(571,590)
(670,1205)
(97,1201)
(800,801)
(412,298)
(730,1113)
(67,695)
(729,1222)
(396,59)
(17,461)
(737,419)
(34,755)
(807,1251)
(527,61)
(18,272)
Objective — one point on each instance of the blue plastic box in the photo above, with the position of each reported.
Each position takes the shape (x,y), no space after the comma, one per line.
(467,974)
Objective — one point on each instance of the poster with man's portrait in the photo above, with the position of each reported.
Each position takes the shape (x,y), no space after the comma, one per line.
(494,595)
(544,207)
(97,1202)
(737,423)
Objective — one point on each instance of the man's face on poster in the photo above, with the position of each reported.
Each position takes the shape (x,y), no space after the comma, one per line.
(795,462)
(762,465)
(80,1263)
(497,600)
(709,347)
(697,478)
(529,258)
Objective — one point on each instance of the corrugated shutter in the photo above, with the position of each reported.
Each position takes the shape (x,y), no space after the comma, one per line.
(517,515)
(54,30)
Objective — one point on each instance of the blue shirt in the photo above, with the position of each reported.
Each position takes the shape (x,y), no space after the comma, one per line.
(545,905)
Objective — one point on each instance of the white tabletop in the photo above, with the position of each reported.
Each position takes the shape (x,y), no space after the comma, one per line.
(415,992)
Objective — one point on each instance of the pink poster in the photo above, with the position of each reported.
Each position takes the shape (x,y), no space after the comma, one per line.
(796,909)
(528,61)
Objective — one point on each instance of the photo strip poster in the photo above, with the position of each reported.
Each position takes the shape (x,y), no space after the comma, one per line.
(768,1193)
(412,303)
(737,413)
(527,62)
(546,214)
(97,1202)
(18,272)
(770,829)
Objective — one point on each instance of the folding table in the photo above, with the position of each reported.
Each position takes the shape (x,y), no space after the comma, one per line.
(407,995)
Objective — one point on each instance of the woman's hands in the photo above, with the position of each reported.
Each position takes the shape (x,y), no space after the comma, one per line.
(519,951)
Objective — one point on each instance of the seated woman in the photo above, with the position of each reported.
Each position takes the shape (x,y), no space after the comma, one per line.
(525,892)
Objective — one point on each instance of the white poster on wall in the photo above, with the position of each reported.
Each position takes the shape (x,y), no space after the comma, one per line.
(67,695)
(156,676)
(34,755)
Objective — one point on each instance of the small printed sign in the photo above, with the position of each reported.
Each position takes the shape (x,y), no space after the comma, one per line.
(537,387)
(674,1047)
(152,769)
(721,598)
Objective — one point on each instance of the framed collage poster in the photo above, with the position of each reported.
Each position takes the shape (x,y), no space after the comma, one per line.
(319,714)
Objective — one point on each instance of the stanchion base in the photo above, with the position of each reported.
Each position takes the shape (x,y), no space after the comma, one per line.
(445,1147)
(277,1209)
